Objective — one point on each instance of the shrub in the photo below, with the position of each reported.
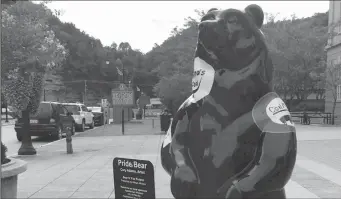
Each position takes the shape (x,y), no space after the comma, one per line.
(4,160)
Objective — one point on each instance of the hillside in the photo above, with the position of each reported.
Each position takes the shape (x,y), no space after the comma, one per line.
(89,60)
(296,45)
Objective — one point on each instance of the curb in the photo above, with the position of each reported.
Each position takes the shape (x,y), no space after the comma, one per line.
(16,154)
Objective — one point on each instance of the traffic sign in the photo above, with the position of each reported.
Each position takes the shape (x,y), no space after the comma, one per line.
(104,102)
(123,96)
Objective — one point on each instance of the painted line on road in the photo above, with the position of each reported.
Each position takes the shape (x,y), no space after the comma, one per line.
(320,169)
(295,190)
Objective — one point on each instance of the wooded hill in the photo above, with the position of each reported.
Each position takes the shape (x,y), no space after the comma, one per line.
(296,45)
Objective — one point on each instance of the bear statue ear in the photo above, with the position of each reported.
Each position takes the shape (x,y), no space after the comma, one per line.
(212,9)
(257,14)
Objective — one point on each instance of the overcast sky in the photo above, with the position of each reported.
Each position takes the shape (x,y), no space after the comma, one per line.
(143,23)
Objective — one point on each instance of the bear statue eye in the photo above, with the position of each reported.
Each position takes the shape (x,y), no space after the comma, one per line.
(232,20)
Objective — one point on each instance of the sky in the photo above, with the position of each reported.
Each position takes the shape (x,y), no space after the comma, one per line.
(144,23)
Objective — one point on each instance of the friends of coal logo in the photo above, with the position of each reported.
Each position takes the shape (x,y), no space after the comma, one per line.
(197,77)
(133,178)
(278,112)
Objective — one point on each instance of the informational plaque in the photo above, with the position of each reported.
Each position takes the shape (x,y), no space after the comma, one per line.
(133,179)
(122,96)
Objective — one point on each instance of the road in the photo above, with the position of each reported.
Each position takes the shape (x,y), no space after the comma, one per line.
(8,137)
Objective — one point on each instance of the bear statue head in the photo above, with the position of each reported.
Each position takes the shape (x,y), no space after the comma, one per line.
(231,55)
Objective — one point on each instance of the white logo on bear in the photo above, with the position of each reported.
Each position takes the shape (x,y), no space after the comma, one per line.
(277,110)
(202,81)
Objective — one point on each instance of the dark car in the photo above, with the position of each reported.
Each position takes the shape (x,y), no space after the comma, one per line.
(97,111)
(51,119)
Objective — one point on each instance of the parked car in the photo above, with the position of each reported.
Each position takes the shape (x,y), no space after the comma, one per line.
(98,113)
(51,119)
(82,116)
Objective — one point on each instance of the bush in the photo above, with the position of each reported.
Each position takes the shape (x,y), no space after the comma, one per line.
(4,160)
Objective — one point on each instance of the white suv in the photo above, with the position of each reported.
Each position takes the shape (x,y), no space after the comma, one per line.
(82,116)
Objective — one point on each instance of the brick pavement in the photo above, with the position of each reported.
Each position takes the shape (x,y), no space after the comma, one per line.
(88,172)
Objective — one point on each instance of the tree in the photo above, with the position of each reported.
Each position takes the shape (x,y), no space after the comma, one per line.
(297,49)
(29,50)
(174,90)
(333,81)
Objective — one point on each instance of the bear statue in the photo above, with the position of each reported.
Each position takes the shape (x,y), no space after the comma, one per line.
(233,137)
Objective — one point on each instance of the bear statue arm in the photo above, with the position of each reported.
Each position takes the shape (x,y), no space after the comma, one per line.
(180,136)
(275,156)
(273,164)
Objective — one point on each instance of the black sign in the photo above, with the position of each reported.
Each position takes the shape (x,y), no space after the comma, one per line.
(133,179)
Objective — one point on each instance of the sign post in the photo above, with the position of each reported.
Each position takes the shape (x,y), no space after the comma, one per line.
(121,98)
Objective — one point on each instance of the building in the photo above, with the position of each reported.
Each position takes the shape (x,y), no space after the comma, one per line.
(333,49)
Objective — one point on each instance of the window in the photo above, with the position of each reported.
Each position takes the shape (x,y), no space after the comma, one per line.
(63,110)
(44,110)
(85,109)
(333,62)
(74,109)
(338,92)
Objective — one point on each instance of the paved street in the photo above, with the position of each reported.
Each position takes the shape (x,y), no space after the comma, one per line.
(88,172)
(8,137)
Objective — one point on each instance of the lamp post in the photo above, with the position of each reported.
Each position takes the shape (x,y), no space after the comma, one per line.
(47,80)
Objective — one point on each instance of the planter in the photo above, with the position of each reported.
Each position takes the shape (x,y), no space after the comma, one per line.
(9,177)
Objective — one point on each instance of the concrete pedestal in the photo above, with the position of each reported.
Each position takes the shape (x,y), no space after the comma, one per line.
(9,177)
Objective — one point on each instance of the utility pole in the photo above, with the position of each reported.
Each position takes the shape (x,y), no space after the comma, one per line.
(85,88)
(122,73)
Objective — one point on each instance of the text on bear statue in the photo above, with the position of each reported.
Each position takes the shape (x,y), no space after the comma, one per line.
(197,77)
(278,108)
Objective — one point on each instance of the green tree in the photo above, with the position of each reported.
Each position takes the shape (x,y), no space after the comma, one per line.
(297,49)
(332,78)
(174,90)
(29,50)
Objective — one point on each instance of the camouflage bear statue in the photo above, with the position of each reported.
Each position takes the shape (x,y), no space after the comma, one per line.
(233,137)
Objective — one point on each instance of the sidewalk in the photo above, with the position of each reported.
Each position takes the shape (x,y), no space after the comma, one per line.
(10,122)
(88,173)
